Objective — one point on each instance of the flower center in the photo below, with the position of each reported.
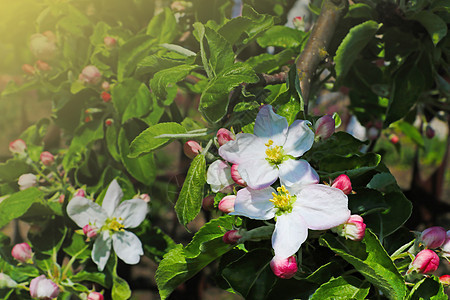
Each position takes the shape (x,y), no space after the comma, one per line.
(114,225)
(275,154)
(283,201)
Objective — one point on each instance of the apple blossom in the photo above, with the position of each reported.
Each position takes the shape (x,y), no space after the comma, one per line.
(22,252)
(353,229)
(43,288)
(26,181)
(270,152)
(306,205)
(90,75)
(231,237)
(433,237)
(226,205)
(285,267)
(224,136)
(18,146)
(43,45)
(6,281)
(111,219)
(343,183)
(324,127)
(219,178)
(47,158)
(95,296)
(236,176)
(426,261)
(192,149)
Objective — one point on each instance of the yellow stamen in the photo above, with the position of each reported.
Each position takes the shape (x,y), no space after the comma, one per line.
(115,225)
(283,201)
(269,143)
(274,154)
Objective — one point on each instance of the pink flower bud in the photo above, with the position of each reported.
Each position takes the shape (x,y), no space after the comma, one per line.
(353,229)
(429,132)
(393,138)
(231,237)
(90,231)
(145,197)
(106,97)
(43,288)
(47,158)
(22,252)
(226,205)
(26,181)
(324,127)
(285,267)
(43,66)
(95,296)
(109,41)
(433,237)
(106,85)
(445,280)
(80,193)
(18,146)
(179,6)
(61,198)
(426,261)
(208,203)
(236,176)
(343,183)
(90,75)
(299,23)
(224,136)
(192,149)
(29,69)
(109,122)
(43,45)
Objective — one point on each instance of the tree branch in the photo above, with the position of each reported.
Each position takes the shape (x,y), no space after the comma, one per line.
(316,47)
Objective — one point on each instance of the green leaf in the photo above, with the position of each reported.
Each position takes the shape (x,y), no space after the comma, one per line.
(163,78)
(428,288)
(360,10)
(163,27)
(353,43)
(111,137)
(139,105)
(261,22)
(343,287)
(17,204)
(190,199)
(410,131)
(120,288)
(384,182)
(83,275)
(234,28)
(221,54)
(122,92)
(146,142)
(12,169)
(131,53)
(214,99)
(199,33)
(268,63)
(335,163)
(180,264)
(371,260)
(436,27)
(281,36)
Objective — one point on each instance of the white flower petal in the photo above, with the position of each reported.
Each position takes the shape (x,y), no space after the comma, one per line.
(270,126)
(299,138)
(258,174)
(297,173)
(254,204)
(132,212)
(84,211)
(322,207)
(246,147)
(101,250)
(127,246)
(112,197)
(289,234)
(219,176)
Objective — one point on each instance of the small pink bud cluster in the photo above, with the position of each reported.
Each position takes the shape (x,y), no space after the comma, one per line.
(284,268)
(145,197)
(224,136)
(109,41)
(106,97)
(43,45)
(43,288)
(43,66)
(236,176)
(226,205)
(343,183)
(47,158)
(192,149)
(299,23)
(324,127)
(90,231)
(90,75)
(426,261)
(22,252)
(18,146)
(95,296)
(26,181)
(353,229)
(231,237)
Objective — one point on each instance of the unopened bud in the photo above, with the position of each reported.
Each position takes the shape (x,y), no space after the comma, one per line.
(145,197)
(6,282)
(109,122)
(324,127)
(208,203)
(80,193)
(90,231)
(106,85)
(43,288)
(88,119)
(180,6)
(26,181)
(433,237)
(43,45)
(393,138)
(299,23)
(236,176)
(429,132)
(226,205)
(18,146)
(343,183)
(110,42)
(231,237)
(90,75)
(47,158)
(192,149)
(284,267)
(95,296)
(106,97)
(22,252)
(61,198)
(426,261)
(353,229)
(43,66)
(224,136)
(445,280)
(29,69)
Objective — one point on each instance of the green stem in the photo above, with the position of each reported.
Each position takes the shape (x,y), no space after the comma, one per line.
(71,261)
